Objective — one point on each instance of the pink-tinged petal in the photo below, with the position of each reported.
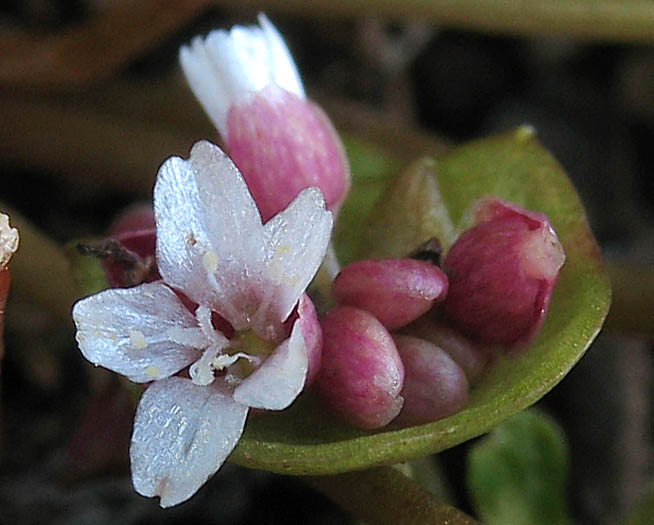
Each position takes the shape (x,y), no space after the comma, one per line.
(471,357)
(209,233)
(396,291)
(502,274)
(183,433)
(144,332)
(361,374)
(434,385)
(226,67)
(280,379)
(312,333)
(295,240)
(282,144)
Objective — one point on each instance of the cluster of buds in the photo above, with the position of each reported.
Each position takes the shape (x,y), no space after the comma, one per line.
(494,294)
(369,376)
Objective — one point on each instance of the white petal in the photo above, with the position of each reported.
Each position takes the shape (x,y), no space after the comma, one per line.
(8,240)
(282,66)
(209,233)
(280,379)
(182,435)
(137,332)
(227,67)
(297,241)
(205,77)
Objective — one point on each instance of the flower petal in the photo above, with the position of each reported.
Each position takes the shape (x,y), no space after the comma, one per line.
(228,66)
(144,332)
(182,435)
(280,379)
(209,233)
(297,240)
(282,66)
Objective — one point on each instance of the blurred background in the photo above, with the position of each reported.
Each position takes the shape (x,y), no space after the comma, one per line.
(92,100)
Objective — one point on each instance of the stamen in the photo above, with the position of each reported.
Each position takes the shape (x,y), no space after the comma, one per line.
(203,317)
(210,262)
(201,371)
(223,361)
(191,337)
(153,371)
(137,339)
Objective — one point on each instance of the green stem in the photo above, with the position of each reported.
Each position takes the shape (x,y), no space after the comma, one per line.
(385,495)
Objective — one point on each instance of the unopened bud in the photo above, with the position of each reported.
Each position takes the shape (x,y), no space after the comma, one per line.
(434,385)
(502,274)
(249,86)
(128,254)
(413,213)
(395,291)
(471,357)
(361,375)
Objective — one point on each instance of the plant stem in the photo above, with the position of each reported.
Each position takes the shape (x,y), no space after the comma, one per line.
(600,20)
(385,495)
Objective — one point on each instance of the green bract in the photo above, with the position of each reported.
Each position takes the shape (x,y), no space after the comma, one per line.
(513,166)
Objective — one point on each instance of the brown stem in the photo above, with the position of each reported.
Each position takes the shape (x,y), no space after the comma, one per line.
(385,495)
(606,20)
(86,54)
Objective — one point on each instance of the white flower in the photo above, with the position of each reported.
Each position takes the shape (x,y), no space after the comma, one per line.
(213,248)
(8,240)
(227,67)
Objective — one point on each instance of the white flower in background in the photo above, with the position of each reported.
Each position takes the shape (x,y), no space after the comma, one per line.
(213,248)
(249,87)
(8,240)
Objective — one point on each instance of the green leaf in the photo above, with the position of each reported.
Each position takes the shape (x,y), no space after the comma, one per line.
(517,474)
(410,212)
(514,166)
(371,173)
(87,271)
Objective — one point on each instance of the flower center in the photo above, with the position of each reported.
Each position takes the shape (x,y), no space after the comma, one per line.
(248,342)
(246,350)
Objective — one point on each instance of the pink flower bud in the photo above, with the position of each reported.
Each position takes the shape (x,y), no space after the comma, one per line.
(282,144)
(361,375)
(395,291)
(128,254)
(502,273)
(138,217)
(471,357)
(250,88)
(434,385)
